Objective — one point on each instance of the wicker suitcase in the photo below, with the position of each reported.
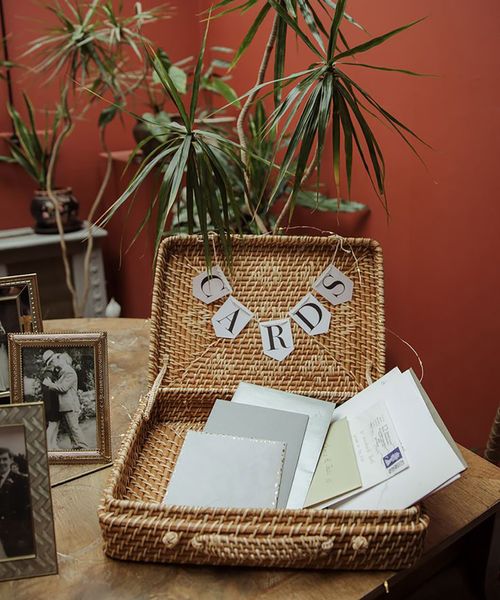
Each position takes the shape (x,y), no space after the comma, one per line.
(189,368)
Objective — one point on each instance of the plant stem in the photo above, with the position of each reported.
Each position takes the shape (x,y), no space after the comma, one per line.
(288,203)
(244,111)
(93,208)
(55,201)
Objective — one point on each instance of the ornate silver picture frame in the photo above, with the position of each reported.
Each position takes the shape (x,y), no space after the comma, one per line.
(67,372)
(20,312)
(27,542)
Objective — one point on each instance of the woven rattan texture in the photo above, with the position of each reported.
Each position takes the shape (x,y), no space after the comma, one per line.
(136,526)
(270,275)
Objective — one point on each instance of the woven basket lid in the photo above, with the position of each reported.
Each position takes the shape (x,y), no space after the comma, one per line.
(269,275)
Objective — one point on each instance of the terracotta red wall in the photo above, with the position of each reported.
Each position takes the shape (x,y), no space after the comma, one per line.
(129,275)
(441,255)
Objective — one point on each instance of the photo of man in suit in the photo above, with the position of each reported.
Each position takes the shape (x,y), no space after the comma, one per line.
(66,386)
(16,523)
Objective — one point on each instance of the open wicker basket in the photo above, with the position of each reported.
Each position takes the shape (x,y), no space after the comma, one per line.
(189,368)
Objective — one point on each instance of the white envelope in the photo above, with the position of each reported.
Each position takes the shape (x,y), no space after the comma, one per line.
(378,448)
(320,415)
(432,461)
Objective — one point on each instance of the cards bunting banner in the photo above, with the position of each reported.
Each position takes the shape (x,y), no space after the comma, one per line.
(277,337)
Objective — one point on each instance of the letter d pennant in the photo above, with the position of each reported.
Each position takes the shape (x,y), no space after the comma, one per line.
(311,315)
(277,339)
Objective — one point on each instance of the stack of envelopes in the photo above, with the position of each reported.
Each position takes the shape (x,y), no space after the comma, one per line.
(385,448)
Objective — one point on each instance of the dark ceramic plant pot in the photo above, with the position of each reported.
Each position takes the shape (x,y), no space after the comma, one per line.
(43,211)
(140,132)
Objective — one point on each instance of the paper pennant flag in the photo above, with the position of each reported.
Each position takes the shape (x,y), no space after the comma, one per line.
(333,285)
(311,315)
(277,339)
(231,318)
(211,287)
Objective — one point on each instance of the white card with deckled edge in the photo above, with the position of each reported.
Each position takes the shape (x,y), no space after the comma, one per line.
(247,420)
(311,315)
(231,318)
(320,416)
(209,287)
(223,471)
(333,285)
(379,451)
(277,338)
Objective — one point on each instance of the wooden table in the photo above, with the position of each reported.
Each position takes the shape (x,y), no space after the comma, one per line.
(465,509)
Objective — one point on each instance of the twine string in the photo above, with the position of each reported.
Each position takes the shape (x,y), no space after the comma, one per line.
(412,349)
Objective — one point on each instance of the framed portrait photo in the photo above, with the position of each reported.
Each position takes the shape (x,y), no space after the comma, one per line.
(20,312)
(68,373)
(27,543)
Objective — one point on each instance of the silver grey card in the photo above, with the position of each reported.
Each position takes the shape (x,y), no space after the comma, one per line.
(245,420)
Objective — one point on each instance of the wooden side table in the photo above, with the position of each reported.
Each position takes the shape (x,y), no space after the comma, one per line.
(461,519)
(23,251)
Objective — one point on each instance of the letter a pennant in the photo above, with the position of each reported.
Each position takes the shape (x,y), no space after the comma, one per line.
(231,318)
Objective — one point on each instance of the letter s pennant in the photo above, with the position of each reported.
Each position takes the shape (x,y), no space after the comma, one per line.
(333,285)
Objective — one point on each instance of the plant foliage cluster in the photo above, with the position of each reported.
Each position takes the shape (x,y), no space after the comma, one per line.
(213,175)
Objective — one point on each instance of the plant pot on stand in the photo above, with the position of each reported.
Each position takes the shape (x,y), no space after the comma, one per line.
(43,211)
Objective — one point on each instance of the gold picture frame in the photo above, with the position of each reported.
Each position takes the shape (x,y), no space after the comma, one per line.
(68,373)
(27,541)
(20,312)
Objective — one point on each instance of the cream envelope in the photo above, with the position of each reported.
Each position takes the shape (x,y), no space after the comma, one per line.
(222,471)
(433,462)
(337,471)
(377,446)
(320,416)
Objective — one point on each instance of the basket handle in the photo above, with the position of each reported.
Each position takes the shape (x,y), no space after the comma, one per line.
(246,549)
(153,392)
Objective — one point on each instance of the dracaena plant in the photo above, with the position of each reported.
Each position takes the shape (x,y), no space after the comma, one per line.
(192,151)
(32,148)
(323,103)
(88,46)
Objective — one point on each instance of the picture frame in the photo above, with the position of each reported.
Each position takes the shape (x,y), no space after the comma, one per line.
(20,312)
(27,539)
(68,373)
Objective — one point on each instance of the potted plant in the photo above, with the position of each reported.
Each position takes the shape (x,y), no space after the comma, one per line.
(87,48)
(323,101)
(151,127)
(37,153)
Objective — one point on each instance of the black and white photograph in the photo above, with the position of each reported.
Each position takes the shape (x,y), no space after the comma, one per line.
(16,518)
(27,541)
(19,313)
(66,372)
(64,380)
